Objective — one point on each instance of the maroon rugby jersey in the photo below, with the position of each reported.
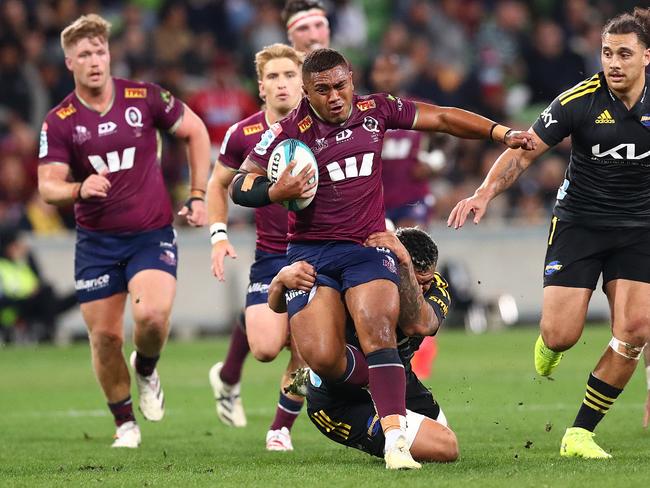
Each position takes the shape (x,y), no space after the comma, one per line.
(124,143)
(271,221)
(349,203)
(400,158)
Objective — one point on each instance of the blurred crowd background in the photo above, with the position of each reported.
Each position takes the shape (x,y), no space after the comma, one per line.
(506,59)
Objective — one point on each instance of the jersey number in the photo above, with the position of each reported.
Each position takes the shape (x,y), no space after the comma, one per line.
(113,161)
(351,168)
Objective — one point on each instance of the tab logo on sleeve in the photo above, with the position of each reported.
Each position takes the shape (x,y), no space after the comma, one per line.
(66,112)
(366,105)
(253,129)
(305,124)
(135,93)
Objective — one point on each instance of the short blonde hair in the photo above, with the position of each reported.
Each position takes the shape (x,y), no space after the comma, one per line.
(276,51)
(85,27)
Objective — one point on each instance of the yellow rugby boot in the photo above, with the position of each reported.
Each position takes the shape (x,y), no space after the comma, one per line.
(579,442)
(545,359)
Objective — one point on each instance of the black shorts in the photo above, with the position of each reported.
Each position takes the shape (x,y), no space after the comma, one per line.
(348,416)
(576,255)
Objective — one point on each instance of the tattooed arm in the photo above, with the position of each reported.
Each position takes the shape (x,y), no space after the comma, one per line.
(416,316)
(502,175)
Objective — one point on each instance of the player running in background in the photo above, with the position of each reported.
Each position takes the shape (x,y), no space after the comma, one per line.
(307,29)
(280,86)
(345,132)
(99,149)
(601,221)
(346,413)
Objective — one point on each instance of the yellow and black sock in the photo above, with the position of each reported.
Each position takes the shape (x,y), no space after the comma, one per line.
(599,398)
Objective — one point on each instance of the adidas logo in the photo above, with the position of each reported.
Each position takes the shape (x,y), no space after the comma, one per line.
(605,118)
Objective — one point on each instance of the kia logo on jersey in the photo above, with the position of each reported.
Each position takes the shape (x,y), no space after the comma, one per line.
(622,151)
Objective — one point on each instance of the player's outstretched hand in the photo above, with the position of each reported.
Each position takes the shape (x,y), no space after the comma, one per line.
(646,415)
(95,186)
(516,139)
(290,187)
(474,204)
(298,276)
(195,213)
(390,241)
(220,250)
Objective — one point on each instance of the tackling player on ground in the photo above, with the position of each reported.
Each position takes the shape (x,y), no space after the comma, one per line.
(279,78)
(99,149)
(346,414)
(345,132)
(601,221)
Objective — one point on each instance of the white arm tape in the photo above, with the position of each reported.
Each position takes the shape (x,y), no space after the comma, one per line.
(218,232)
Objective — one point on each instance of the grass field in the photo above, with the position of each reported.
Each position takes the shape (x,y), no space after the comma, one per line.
(55,429)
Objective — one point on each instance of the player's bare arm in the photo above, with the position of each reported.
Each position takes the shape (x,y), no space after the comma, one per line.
(299,276)
(416,317)
(217,203)
(468,125)
(56,189)
(505,171)
(252,188)
(193,131)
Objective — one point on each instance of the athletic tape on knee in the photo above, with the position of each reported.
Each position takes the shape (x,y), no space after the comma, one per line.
(626,349)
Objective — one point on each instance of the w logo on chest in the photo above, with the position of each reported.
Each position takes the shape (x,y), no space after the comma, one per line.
(114,161)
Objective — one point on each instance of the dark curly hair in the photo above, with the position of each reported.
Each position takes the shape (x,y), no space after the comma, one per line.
(423,251)
(294,6)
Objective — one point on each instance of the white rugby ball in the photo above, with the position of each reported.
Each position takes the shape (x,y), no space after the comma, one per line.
(285,152)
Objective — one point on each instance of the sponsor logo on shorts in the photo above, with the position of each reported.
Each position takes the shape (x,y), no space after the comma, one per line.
(552,267)
(168,257)
(305,124)
(253,129)
(291,294)
(66,112)
(168,245)
(389,264)
(385,250)
(92,284)
(366,105)
(135,93)
(258,288)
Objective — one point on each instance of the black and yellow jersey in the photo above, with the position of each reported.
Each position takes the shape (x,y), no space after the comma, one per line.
(607,181)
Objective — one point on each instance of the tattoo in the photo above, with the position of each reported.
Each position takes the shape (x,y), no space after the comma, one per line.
(410,296)
(509,174)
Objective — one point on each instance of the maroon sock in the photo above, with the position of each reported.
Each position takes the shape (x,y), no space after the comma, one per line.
(144,365)
(286,413)
(387,382)
(122,411)
(356,369)
(234,362)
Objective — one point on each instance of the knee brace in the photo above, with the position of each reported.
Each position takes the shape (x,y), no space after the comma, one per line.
(625,349)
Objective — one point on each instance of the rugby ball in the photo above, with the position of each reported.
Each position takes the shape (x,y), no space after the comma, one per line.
(285,152)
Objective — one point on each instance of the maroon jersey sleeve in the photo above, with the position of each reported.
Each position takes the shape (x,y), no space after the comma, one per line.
(166,110)
(233,148)
(399,113)
(53,146)
(261,153)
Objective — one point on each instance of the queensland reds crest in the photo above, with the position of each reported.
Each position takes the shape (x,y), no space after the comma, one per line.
(370,124)
(133,117)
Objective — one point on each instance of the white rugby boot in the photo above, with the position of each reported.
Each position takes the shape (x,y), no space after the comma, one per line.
(398,456)
(230,409)
(279,440)
(127,435)
(150,392)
